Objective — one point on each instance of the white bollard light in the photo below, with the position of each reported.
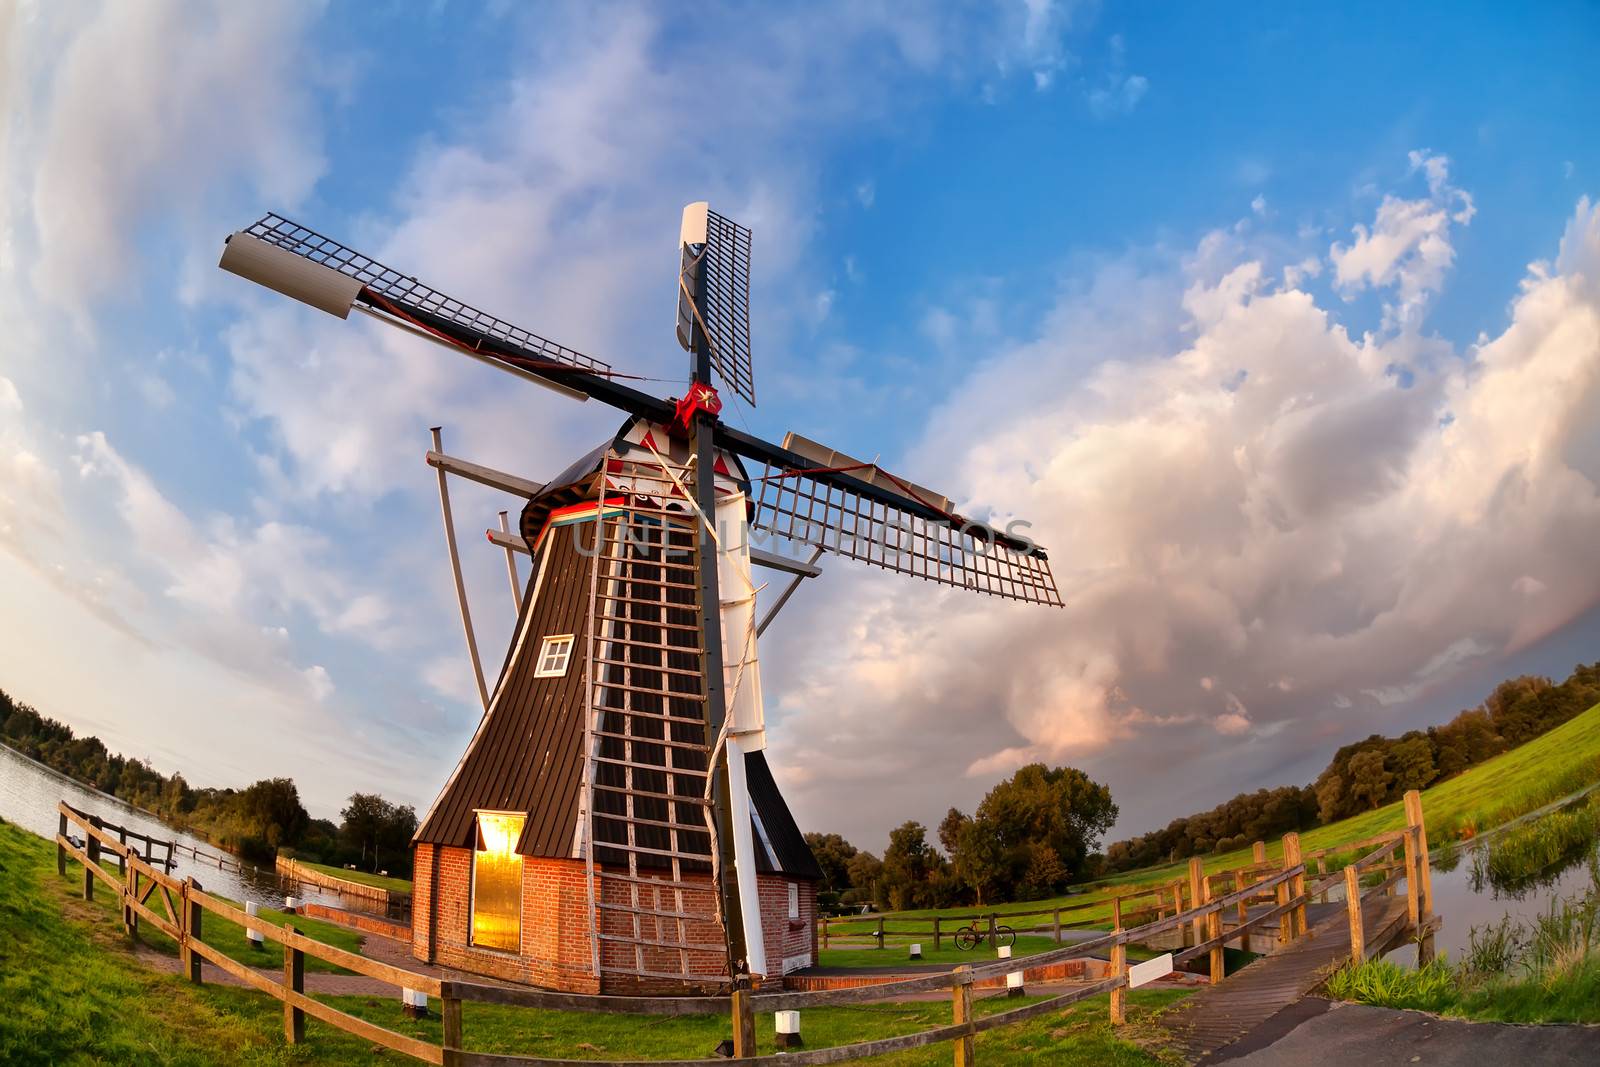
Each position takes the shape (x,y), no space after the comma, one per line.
(916,952)
(291,904)
(788,1024)
(1004,952)
(1014,984)
(414,1003)
(252,909)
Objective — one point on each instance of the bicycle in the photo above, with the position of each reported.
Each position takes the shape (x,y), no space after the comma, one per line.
(970,937)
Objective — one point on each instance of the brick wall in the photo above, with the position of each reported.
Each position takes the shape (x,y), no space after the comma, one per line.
(555,944)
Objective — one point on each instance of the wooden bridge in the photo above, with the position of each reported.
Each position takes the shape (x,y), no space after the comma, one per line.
(1375,917)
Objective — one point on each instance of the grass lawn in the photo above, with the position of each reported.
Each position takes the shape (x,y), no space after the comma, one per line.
(76,994)
(393,885)
(1546,768)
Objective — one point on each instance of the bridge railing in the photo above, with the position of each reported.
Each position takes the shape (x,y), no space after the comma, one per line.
(185,904)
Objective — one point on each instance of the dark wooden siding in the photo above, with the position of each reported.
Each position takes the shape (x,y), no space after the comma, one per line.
(527,754)
(794,855)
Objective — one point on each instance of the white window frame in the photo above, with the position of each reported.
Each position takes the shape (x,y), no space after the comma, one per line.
(794,901)
(550,647)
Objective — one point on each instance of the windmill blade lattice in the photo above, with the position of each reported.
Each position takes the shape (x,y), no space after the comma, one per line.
(724,301)
(389,284)
(809,507)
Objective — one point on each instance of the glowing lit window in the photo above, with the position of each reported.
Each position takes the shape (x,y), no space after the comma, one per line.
(553,656)
(497,882)
(794,901)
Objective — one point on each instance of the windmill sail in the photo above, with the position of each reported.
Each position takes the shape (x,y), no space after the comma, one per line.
(811,494)
(387,290)
(714,294)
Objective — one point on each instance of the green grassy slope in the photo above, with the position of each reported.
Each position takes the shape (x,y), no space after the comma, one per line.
(75,993)
(393,885)
(1561,761)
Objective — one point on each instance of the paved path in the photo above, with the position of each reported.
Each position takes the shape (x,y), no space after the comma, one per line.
(1315,1032)
(1219,1015)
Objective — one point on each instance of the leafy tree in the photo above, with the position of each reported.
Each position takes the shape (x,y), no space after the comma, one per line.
(907,863)
(865,872)
(1370,777)
(833,855)
(1058,810)
(950,828)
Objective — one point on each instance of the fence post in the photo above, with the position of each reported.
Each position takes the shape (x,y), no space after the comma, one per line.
(880,931)
(450,1016)
(1258,853)
(1413,894)
(961,1012)
(993,943)
(1196,874)
(91,848)
(1322,873)
(1297,885)
(294,980)
(1352,893)
(130,893)
(825,925)
(1177,910)
(122,857)
(193,933)
(1057,920)
(1414,819)
(744,1024)
(61,851)
(1281,895)
(1214,933)
(938,936)
(1119,966)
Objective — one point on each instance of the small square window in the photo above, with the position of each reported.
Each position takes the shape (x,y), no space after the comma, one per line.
(554,655)
(794,901)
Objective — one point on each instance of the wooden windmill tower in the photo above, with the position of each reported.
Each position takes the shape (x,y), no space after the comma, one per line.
(614,826)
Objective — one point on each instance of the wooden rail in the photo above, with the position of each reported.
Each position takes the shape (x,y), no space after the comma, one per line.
(185,903)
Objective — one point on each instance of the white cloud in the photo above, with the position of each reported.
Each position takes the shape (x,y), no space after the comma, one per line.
(146,110)
(866,194)
(1264,498)
(1408,245)
(10,399)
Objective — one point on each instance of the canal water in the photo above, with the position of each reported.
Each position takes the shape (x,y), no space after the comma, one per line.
(1465,897)
(29,793)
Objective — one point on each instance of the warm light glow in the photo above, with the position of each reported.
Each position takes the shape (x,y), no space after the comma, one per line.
(497,882)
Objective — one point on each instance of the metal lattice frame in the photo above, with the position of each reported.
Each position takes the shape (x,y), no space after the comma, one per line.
(725,303)
(645,788)
(805,510)
(403,289)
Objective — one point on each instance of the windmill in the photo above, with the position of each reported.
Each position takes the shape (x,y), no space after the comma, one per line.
(644,764)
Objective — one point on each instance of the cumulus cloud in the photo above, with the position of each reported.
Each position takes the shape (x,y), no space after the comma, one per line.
(1266,499)
(1408,246)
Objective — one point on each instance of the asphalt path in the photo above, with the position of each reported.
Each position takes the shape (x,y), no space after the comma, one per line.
(1315,1032)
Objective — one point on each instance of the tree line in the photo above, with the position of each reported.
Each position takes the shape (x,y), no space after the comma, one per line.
(256,822)
(1033,835)
(1372,772)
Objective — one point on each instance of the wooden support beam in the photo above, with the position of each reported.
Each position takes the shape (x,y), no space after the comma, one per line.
(474,472)
(192,929)
(961,1013)
(1119,966)
(744,1024)
(1292,857)
(294,980)
(1214,934)
(1352,894)
(1197,873)
(455,572)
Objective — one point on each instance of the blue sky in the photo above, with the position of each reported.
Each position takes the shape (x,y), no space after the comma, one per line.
(1238,310)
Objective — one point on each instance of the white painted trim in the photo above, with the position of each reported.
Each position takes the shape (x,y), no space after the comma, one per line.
(744,859)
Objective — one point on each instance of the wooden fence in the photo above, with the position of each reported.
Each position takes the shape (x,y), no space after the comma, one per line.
(185,905)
